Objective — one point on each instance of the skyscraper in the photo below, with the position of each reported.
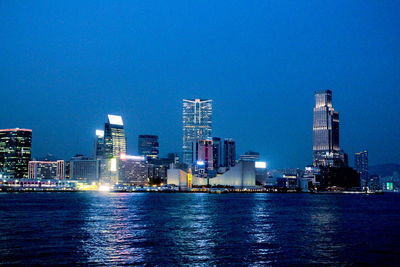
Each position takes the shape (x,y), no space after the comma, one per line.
(15,152)
(114,137)
(229,152)
(197,124)
(326,149)
(148,146)
(203,153)
(217,152)
(361,165)
(99,144)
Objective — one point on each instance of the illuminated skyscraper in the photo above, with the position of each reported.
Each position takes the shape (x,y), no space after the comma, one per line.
(361,165)
(114,137)
(197,124)
(15,152)
(326,149)
(99,144)
(148,146)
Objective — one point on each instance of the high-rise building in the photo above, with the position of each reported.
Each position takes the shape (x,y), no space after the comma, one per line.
(197,124)
(326,149)
(217,153)
(99,145)
(46,169)
(84,168)
(361,166)
(203,154)
(15,152)
(148,146)
(229,152)
(114,137)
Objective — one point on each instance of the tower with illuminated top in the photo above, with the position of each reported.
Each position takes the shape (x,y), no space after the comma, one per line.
(326,149)
(114,137)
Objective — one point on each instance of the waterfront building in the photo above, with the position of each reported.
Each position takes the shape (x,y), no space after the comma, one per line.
(133,170)
(114,137)
(361,166)
(46,169)
(15,152)
(326,149)
(261,172)
(241,175)
(197,124)
(343,177)
(229,152)
(157,173)
(148,146)
(373,183)
(84,168)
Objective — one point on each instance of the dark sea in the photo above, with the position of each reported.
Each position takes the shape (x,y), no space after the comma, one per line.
(170,229)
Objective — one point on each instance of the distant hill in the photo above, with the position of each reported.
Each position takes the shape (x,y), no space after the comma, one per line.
(384,169)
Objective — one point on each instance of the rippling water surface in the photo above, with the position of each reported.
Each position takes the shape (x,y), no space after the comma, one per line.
(199,229)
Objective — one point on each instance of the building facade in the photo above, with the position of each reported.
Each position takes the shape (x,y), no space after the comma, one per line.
(15,152)
(99,145)
(203,154)
(114,137)
(133,171)
(326,149)
(229,152)
(148,146)
(84,168)
(197,124)
(361,166)
(46,169)
(217,153)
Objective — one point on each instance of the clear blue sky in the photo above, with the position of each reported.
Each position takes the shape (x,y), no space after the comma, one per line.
(64,65)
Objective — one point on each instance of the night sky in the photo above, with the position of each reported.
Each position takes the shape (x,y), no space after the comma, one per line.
(65,66)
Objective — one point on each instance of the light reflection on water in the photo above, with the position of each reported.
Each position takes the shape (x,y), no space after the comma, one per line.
(198,229)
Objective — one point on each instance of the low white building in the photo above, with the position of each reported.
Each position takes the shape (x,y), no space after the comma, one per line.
(242,174)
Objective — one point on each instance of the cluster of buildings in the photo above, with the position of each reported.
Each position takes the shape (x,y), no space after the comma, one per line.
(205,160)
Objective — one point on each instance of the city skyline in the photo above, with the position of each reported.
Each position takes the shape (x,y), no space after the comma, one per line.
(134,149)
(61,76)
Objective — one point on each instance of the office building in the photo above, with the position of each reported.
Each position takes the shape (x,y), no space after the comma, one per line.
(46,169)
(361,166)
(15,152)
(203,154)
(99,145)
(326,149)
(114,137)
(217,153)
(197,124)
(148,146)
(229,152)
(133,171)
(84,168)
